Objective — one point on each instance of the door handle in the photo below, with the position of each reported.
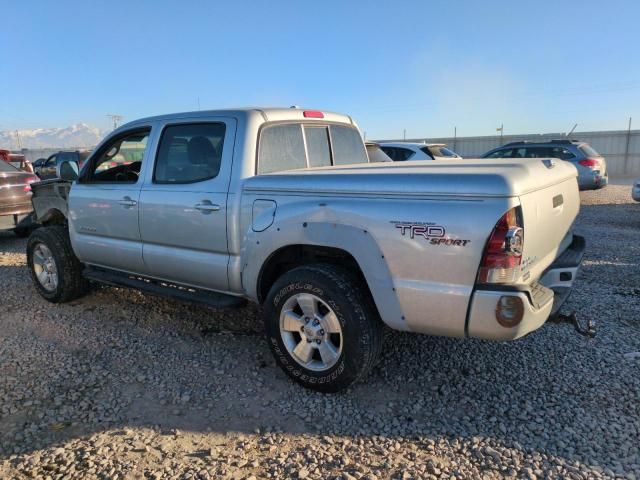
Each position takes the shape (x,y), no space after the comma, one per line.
(206,206)
(127,202)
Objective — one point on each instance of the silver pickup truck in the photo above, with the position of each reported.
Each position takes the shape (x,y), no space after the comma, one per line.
(282,207)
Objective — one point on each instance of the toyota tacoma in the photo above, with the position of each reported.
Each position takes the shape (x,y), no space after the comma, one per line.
(282,207)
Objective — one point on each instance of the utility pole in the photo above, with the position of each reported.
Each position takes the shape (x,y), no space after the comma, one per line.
(501,130)
(455,138)
(19,142)
(115,118)
(404,134)
(626,150)
(198,103)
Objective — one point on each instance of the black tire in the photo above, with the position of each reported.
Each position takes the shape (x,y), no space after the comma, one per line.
(362,329)
(71,283)
(22,232)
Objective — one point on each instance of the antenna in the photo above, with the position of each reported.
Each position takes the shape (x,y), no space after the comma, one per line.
(574,127)
(115,118)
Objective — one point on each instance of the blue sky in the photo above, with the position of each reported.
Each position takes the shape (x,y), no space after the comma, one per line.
(423,66)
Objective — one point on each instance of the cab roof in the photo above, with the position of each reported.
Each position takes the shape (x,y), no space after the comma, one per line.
(268,114)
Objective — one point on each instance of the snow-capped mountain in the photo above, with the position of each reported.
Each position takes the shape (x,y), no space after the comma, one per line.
(78,135)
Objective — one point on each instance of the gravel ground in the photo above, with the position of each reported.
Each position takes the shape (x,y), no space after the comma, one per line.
(122,385)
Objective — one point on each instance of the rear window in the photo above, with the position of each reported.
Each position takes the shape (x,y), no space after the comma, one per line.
(294,146)
(376,154)
(5,167)
(347,145)
(281,148)
(318,146)
(588,150)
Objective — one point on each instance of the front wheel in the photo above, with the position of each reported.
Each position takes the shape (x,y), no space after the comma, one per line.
(55,270)
(322,327)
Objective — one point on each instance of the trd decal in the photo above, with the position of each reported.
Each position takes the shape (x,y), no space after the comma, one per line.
(427,231)
(435,234)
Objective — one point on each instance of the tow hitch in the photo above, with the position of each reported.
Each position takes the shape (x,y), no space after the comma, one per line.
(588,330)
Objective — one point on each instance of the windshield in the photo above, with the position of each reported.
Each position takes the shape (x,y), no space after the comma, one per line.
(5,167)
(588,150)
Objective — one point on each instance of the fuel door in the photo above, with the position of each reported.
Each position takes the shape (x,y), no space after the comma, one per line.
(264,211)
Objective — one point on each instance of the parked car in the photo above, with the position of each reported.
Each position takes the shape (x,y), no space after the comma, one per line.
(375,153)
(635,190)
(15,199)
(38,163)
(282,207)
(401,151)
(47,169)
(17,160)
(591,166)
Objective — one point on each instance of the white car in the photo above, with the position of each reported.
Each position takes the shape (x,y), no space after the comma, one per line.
(402,151)
(635,191)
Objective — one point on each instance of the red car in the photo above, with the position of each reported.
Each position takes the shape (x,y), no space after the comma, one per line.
(15,199)
(17,160)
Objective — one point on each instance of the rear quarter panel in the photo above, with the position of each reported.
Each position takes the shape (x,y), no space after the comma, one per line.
(419,282)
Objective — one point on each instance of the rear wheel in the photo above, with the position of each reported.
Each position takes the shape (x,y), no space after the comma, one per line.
(322,327)
(55,270)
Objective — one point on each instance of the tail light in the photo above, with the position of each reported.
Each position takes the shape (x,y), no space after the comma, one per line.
(503,253)
(30,180)
(590,163)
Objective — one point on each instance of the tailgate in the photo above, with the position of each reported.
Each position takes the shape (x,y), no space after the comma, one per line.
(548,215)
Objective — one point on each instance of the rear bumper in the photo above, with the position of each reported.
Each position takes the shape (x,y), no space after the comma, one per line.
(541,300)
(635,191)
(592,180)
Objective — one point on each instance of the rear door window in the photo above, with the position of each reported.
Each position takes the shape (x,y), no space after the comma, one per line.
(501,153)
(537,152)
(189,153)
(562,153)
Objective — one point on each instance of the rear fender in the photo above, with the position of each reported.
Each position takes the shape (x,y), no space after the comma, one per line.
(302,224)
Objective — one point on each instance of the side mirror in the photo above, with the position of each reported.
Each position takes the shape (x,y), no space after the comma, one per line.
(67,170)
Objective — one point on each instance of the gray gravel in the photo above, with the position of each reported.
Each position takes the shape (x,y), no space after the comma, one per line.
(122,385)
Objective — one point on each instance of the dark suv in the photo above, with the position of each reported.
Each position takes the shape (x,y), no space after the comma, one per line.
(46,169)
(591,166)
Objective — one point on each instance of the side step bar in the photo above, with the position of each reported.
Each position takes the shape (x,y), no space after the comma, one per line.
(163,289)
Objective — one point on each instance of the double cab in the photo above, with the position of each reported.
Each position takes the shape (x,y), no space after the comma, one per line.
(283,207)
